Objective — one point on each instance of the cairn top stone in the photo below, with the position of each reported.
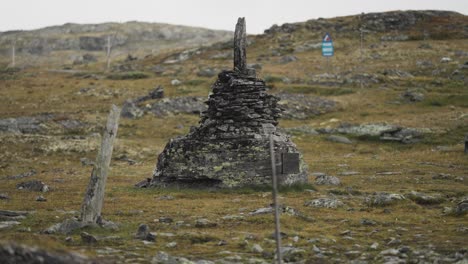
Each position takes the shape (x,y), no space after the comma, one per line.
(240,43)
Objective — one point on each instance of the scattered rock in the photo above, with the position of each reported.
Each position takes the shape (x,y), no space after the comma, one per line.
(88,238)
(144,183)
(8,224)
(14,254)
(143,233)
(424,199)
(33,185)
(462,207)
(66,227)
(288,59)
(4,196)
(368,222)
(131,110)
(171,245)
(204,223)
(86,162)
(412,96)
(327,180)
(164,258)
(383,199)
(445,60)
(374,246)
(339,139)
(325,203)
(41,198)
(176,82)
(165,197)
(256,248)
(166,220)
(265,210)
(292,254)
(22,175)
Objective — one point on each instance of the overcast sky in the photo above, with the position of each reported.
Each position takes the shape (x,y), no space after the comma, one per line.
(215,14)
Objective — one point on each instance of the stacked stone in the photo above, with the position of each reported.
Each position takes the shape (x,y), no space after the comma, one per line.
(230,147)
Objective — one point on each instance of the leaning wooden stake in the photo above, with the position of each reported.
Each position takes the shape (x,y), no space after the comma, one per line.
(94,196)
(275,201)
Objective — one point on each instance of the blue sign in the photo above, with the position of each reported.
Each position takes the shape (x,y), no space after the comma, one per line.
(327,46)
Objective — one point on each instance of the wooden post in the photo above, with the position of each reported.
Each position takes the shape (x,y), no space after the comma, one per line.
(13,55)
(94,196)
(275,201)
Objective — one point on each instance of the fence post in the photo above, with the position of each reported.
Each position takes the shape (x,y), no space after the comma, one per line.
(275,200)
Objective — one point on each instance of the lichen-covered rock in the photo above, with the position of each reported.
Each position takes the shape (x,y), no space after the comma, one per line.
(383,198)
(13,254)
(327,180)
(325,203)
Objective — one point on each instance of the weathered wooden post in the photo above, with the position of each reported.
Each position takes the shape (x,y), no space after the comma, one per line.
(108,53)
(275,200)
(13,54)
(94,196)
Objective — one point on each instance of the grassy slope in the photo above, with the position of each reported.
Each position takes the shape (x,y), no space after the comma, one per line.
(444,110)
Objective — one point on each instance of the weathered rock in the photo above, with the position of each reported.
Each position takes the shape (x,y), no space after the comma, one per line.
(383,199)
(325,203)
(413,96)
(288,59)
(164,258)
(165,219)
(8,224)
(176,82)
(339,139)
(240,45)
(445,60)
(131,110)
(203,223)
(22,175)
(292,254)
(368,222)
(41,198)
(66,227)
(4,196)
(34,185)
(143,233)
(88,238)
(422,198)
(327,180)
(462,207)
(16,254)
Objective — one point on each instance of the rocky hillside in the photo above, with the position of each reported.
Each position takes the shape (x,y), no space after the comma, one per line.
(76,40)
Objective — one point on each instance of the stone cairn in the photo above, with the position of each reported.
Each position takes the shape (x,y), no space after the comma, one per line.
(230,147)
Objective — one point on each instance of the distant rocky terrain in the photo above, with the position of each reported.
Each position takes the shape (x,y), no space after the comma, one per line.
(84,42)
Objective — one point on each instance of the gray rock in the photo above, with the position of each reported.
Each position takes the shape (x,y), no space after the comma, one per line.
(204,223)
(421,198)
(176,82)
(171,245)
(165,258)
(88,238)
(22,175)
(445,60)
(368,222)
(66,227)
(166,198)
(327,180)
(165,219)
(462,207)
(33,185)
(292,254)
(256,248)
(143,233)
(265,210)
(339,139)
(412,96)
(11,253)
(131,110)
(4,196)
(41,198)
(325,203)
(383,199)
(288,59)
(8,224)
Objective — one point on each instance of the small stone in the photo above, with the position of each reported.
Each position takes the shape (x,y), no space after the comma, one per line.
(292,254)
(143,233)
(222,243)
(4,196)
(166,220)
(327,180)
(424,199)
(41,198)
(88,238)
(256,248)
(339,139)
(166,197)
(325,203)
(204,223)
(393,241)
(368,222)
(445,60)
(374,246)
(33,185)
(383,199)
(171,245)
(176,82)
(69,239)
